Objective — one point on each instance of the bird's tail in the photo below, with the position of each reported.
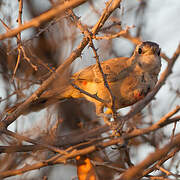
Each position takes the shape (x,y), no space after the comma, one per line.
(47,98)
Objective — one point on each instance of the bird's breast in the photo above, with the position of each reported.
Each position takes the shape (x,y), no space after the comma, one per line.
(134,88)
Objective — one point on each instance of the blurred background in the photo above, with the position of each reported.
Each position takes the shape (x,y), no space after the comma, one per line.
(47,46)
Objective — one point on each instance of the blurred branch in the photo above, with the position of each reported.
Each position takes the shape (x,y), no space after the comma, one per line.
(135,40)
(163,55)
(40,31)
(160,162)
(43,17)
(20,47)
(136,171)
(23,138)
(159,124)
(108,165)
(57,159)
(20,148)
(112,36)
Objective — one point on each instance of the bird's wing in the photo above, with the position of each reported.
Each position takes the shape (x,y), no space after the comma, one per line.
(114,69)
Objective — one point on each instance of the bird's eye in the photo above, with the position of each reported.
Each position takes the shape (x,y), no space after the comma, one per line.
(159,52)
(139,50)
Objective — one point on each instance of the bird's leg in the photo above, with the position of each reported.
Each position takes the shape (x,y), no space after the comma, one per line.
(116,123)
(107,116)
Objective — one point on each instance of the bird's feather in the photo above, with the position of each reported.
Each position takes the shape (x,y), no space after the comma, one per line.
(113,69)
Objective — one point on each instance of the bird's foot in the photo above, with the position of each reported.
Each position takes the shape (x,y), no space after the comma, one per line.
(114,128)
(109,120)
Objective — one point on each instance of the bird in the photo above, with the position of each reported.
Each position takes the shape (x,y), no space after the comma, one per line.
(130,79)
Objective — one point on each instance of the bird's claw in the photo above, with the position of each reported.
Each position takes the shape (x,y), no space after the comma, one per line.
(111,123)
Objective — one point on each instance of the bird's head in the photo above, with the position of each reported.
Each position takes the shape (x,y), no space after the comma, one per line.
(148,56)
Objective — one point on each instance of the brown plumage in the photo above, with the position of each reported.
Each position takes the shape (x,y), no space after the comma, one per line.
(130,79)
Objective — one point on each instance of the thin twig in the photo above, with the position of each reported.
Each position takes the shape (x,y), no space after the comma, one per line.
(20,137)
(19,36)
(36,35)
(94,96)
(19,46)
(112,36)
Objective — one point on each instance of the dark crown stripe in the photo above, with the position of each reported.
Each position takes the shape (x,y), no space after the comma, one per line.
(150,43)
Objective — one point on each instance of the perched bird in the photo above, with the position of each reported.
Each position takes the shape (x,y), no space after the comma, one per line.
(129,78)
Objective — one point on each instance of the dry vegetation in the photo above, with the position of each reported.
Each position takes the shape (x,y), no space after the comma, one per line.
(70,130)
